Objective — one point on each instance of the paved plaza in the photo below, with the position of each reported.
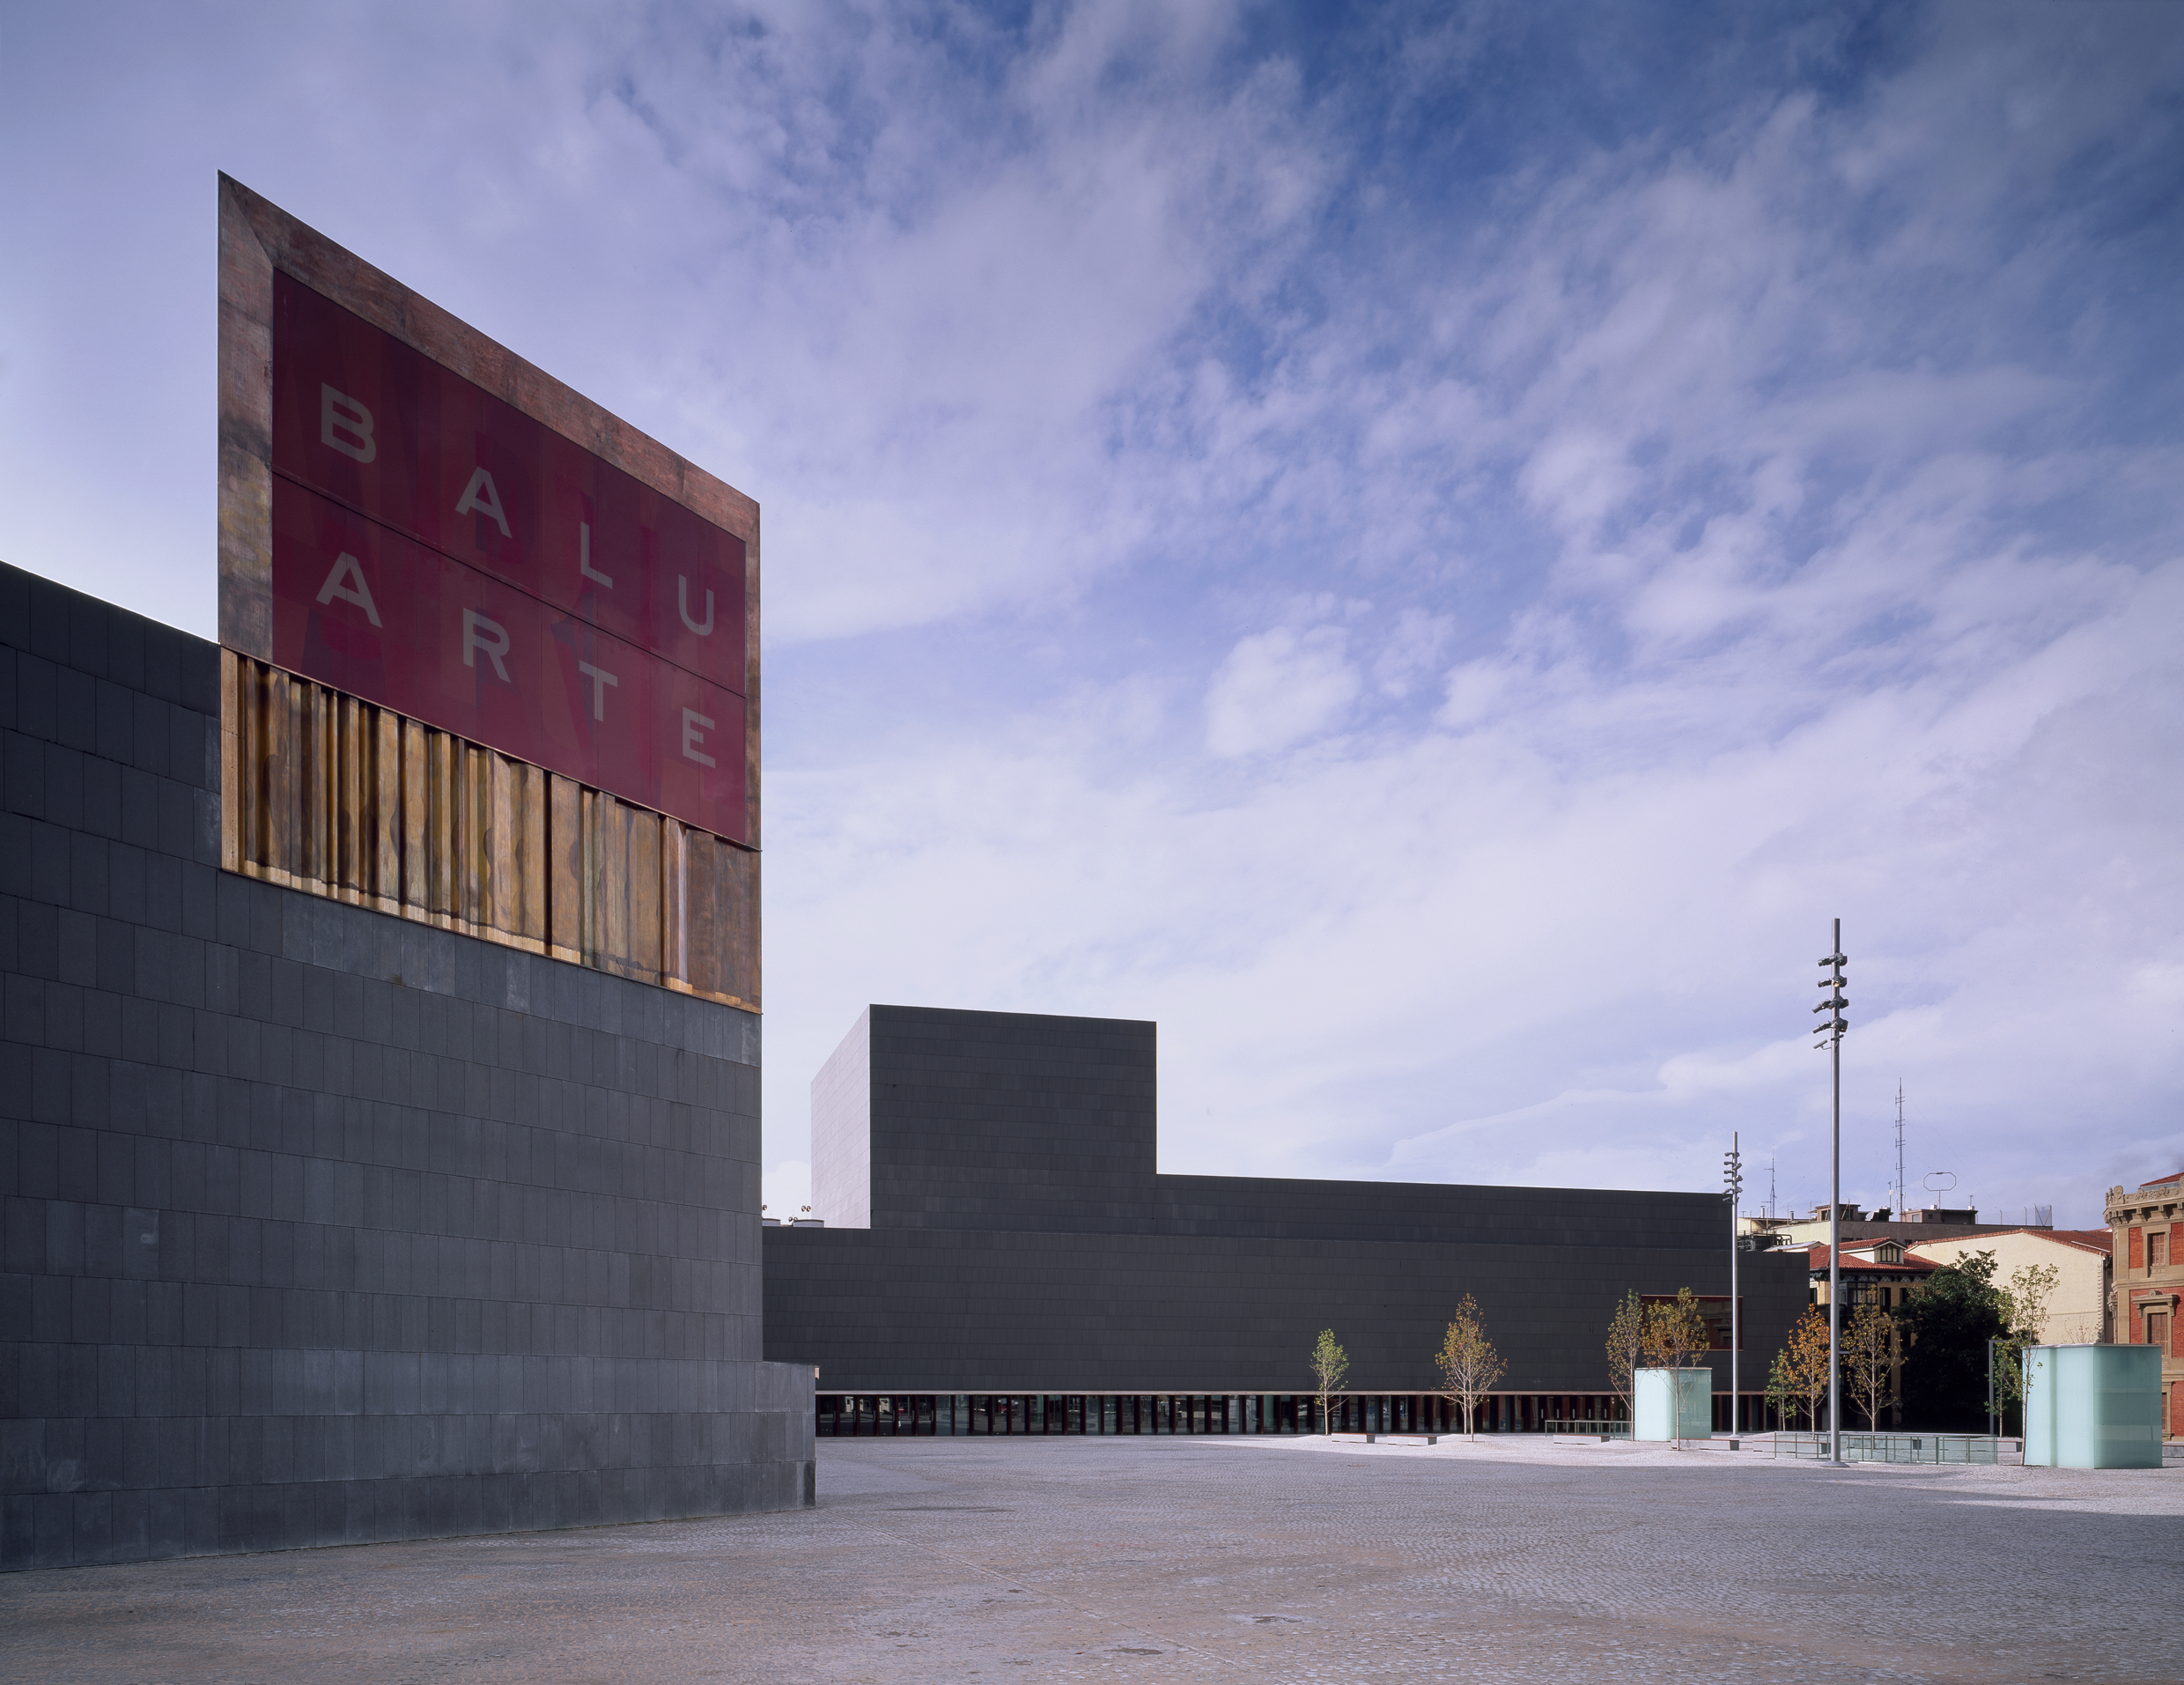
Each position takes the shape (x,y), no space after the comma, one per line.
(1208,1559)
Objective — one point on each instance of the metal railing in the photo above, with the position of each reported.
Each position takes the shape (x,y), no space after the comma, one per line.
(1613,1428)
(1897,1447)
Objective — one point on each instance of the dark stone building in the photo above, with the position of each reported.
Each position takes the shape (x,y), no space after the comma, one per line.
(321,1225)
(1000,1249)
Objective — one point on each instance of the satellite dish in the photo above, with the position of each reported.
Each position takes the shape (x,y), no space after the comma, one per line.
(1941,1181)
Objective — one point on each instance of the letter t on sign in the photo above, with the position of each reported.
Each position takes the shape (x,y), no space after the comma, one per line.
(600,680)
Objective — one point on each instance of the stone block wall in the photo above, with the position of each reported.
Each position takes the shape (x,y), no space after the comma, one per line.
(320,1226)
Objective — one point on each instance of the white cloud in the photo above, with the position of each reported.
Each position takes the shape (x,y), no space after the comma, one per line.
(1766,497)
(1279,687)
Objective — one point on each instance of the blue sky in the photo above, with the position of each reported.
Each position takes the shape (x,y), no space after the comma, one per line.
(1430,552)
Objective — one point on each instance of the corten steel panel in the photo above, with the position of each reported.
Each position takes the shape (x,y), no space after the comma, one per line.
(361,609)
(657,595)
(325,1226)
(352,405)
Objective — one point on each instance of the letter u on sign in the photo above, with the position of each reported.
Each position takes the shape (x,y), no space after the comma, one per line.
(682,602)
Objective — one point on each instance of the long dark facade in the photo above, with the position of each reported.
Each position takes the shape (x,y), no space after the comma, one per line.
(324,1226)
(1013,1255)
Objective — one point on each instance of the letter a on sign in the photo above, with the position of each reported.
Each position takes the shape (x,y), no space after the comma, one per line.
(483,496)
(347,582)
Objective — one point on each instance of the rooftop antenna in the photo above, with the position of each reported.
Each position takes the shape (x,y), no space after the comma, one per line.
(1902,1198)
(1770,1184)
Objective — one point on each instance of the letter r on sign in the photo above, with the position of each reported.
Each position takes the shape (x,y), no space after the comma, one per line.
(695,726)
(489,636)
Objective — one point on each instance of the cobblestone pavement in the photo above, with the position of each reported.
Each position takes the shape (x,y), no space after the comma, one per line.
(1289,1560)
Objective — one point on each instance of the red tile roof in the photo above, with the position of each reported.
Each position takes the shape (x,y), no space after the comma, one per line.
(2162,1181)
(1855,1260)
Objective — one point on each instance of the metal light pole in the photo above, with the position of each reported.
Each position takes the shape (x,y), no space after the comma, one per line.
(1735,1178)
(1833,1031)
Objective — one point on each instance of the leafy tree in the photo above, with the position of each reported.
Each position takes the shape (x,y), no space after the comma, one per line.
(1800,1370)
(1626,1348)
(1330,1364)
(1468,1363)
(1675,1335)
(1949,1319)
(1779,1393)
(1675,1332)
(1868,1347)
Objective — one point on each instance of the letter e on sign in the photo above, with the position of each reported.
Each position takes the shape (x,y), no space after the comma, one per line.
(695,726)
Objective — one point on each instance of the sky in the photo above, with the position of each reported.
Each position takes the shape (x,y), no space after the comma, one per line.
(1430,551)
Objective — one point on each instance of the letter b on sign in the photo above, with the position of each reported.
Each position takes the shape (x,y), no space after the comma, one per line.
(345,425)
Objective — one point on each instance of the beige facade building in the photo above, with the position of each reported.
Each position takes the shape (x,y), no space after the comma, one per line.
(2146,1228)
(2077,1310)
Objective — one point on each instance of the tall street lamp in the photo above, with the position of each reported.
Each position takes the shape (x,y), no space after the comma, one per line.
(1733,1178)
(1831,1033)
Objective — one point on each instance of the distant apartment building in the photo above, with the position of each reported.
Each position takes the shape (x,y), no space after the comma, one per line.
(2077,1310)
(1858,1224)
(1874,1272)
(2146,1238)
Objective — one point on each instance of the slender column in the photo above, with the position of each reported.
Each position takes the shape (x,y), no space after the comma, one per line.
(1834,1231)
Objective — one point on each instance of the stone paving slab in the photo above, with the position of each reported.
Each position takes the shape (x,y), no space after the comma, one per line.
(1289,1560)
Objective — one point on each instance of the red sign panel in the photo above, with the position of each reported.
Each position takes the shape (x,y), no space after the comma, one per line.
(440,553)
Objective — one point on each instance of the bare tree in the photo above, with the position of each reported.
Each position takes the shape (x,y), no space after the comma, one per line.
(1468,1363)
(1869,1350)
(2025,1312)
(1330,1364)
(1627,1349)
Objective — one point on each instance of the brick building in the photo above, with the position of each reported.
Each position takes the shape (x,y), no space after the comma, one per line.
(2147,1228)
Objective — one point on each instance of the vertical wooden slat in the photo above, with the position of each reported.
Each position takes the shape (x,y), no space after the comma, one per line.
(531,847)
(312,782)
(416,853)
(611,883)
(439,825)
(477,843)
(387,811)
(674,906)
(565,849)
(350,818)
(231,782)
(645,899)
(282,750)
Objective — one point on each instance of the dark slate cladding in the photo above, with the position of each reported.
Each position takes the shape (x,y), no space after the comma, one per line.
(323,1226)
(1011,1120)
(1023,1239)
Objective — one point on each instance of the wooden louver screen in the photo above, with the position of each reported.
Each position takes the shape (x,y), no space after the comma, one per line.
(322,793)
